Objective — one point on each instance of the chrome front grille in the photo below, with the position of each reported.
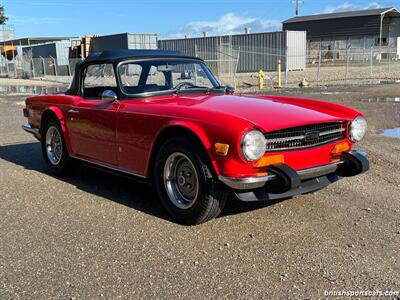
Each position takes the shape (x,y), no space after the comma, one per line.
(305,136)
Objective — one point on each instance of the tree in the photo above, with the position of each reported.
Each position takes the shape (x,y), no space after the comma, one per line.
(3,18)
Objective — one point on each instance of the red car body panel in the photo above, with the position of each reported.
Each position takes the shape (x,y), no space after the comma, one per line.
(123,135)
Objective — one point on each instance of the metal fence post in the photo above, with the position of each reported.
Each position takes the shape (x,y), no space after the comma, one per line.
(319,64)
(371,59)
(347,62)
(15,68)
(33,68)
(7,67)
(236,67)
(286,67)
(69,68)
(55,66)
(388,54)
(44,66)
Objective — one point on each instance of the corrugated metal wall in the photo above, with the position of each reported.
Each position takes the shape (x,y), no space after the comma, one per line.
(124,41)
(58,50)
(142,41)
(256,50)
(260,50)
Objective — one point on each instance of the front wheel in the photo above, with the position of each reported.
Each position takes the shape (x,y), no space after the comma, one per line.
(185,183)
(54,149)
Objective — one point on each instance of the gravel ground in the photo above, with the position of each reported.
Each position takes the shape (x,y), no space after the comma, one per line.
(96,235)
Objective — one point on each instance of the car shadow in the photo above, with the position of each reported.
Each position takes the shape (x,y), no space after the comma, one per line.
(119,189)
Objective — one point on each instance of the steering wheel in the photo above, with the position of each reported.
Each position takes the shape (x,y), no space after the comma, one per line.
(185,83)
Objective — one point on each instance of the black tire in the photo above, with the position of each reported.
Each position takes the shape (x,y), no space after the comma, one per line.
(211,196)
(66,165)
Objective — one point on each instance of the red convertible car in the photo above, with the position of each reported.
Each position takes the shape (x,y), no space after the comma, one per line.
(162,116)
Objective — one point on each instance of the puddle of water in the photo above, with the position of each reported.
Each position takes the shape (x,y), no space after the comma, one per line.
(381,99)
(31,90)
(393,132)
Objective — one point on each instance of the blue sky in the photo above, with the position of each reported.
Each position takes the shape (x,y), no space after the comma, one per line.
(168,18)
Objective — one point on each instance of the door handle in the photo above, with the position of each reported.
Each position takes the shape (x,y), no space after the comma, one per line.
(73,111)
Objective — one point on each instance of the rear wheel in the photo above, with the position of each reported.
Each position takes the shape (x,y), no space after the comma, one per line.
(185,183)
(55,152)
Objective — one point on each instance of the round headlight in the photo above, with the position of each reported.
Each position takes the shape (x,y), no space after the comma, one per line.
(253,145)
(357,129)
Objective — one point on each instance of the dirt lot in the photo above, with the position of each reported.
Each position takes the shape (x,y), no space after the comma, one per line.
(96,235)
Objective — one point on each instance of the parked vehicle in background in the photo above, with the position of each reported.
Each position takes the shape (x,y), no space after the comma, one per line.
(163,117)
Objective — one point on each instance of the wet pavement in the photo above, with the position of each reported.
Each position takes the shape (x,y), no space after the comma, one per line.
(392,132)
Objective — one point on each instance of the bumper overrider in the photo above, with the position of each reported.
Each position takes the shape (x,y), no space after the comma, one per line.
(284,182)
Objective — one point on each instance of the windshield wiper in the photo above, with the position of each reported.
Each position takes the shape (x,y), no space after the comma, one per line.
(192,89)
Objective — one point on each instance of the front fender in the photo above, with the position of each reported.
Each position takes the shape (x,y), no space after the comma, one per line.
(196,130)
(60,115)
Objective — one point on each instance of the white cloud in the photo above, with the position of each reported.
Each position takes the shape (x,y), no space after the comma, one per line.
(348,7)
(229,23)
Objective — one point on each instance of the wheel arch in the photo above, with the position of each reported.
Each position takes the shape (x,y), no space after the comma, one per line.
(191,131)
(57,113)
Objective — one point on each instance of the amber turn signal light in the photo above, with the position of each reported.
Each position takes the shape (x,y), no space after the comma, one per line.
(221,149)
(270,160)
(339,148)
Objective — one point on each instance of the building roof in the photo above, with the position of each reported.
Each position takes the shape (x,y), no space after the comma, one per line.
(124,54)
(347,14)
(26,41)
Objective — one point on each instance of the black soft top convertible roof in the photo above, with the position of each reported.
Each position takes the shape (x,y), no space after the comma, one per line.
(116,56)
(112,56)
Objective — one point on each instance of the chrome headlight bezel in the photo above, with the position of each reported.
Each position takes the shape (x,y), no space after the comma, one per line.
(253,145)
(357,129)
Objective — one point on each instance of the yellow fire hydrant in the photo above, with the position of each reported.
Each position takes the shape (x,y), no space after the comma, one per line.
(261,79)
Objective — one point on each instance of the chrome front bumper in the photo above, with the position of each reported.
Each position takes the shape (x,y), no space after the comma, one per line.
(248,183)
(28,128)
(354,162)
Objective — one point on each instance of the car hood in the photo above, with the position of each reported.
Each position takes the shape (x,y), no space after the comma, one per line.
(271,112)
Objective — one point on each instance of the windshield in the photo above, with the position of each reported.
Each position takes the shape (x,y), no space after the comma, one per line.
(164,75)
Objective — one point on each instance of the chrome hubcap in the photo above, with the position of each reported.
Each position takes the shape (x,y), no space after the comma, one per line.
(181,180)
(53,145)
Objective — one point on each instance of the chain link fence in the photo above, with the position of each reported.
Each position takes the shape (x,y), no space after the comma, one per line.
(43,67)
(223,63)
(323,67)
(317,67)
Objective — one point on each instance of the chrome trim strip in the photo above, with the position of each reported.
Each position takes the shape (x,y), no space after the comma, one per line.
(305,147)
(246,183)
(28,128)
(286,139)
(107,166)
(322,133)
(318,171)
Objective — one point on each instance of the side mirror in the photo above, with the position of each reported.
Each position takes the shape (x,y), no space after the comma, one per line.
(229,90)
(109,96)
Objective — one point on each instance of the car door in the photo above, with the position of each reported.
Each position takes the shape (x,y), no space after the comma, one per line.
(92,121)
(136,125)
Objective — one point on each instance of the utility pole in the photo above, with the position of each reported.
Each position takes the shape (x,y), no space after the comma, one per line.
(298,2)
